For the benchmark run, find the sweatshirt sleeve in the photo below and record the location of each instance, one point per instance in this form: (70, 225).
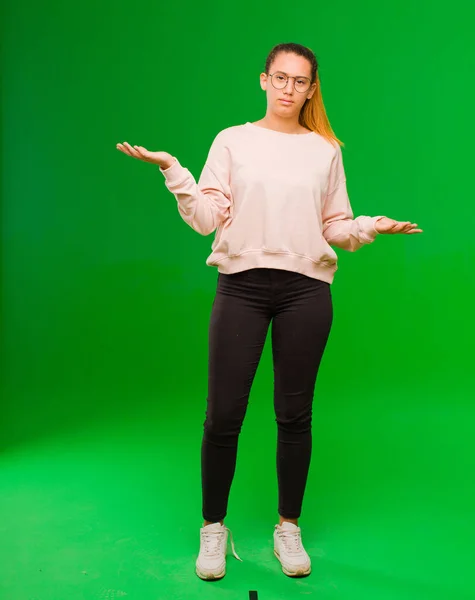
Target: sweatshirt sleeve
(206, 204)
(339, 227)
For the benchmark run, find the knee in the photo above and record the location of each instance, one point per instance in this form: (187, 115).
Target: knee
(221, 424)
(297, 424)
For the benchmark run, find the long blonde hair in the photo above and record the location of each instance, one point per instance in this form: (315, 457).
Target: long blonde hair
(313, 115)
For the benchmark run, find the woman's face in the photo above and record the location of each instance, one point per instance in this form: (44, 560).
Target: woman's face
(295, 66)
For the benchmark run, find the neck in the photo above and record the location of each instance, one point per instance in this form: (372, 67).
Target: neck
(282, 124)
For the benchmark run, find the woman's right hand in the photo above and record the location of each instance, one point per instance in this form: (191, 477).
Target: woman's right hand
(162, 159)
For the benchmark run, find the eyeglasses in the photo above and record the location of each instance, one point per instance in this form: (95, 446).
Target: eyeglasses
(279, 80)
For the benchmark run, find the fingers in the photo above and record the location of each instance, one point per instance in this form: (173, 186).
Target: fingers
(141, 150)
(136, 152)
(405, 227)
(122, 148)
(132, 151)
(397, 227)
(126, 149)
(411, 228)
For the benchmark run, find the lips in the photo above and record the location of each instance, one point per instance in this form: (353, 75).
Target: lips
(286, 101)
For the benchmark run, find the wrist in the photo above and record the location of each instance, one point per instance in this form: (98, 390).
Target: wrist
(375, 224)
(167, 164)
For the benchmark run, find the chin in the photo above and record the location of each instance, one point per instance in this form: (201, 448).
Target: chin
(288, 110)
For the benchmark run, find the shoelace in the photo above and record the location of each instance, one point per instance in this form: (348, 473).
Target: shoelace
(291, 541)
(212, 542)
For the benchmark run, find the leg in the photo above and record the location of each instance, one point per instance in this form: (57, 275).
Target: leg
(239, 323)
(300, 332)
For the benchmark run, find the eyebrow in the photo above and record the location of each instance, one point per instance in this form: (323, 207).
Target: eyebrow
(304, 76)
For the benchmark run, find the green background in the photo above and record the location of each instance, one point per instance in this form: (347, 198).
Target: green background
(106, 299)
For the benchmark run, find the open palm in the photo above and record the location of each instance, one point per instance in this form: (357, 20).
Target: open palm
(387, 225)
(162, 159)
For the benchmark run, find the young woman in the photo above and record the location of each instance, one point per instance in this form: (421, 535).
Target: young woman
(275, 193)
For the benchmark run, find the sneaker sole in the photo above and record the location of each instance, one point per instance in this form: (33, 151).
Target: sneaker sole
(210, 576)
(298, 573)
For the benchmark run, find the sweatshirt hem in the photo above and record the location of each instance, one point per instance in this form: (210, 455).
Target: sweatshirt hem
(257, 259)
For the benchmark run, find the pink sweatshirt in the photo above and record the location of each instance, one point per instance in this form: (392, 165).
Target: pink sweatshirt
(276, 200)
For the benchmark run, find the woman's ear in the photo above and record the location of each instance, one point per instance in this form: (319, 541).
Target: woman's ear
(263, 81)
(311, 92)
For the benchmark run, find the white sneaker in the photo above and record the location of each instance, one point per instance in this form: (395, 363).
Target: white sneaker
(211, 561)
(289, 550)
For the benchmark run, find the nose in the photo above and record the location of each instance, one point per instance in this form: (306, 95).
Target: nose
(289, 87)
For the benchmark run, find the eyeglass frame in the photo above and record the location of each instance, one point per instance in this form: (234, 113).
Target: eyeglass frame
(290, 77)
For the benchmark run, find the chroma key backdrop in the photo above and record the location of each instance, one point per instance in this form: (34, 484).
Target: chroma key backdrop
(106, 300)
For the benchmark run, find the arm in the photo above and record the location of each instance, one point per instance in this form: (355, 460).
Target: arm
(339, 227)
(206, 204)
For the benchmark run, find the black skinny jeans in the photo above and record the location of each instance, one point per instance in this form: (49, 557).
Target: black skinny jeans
(301, 312)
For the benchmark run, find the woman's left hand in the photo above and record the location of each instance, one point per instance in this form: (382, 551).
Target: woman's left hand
(387, 225)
